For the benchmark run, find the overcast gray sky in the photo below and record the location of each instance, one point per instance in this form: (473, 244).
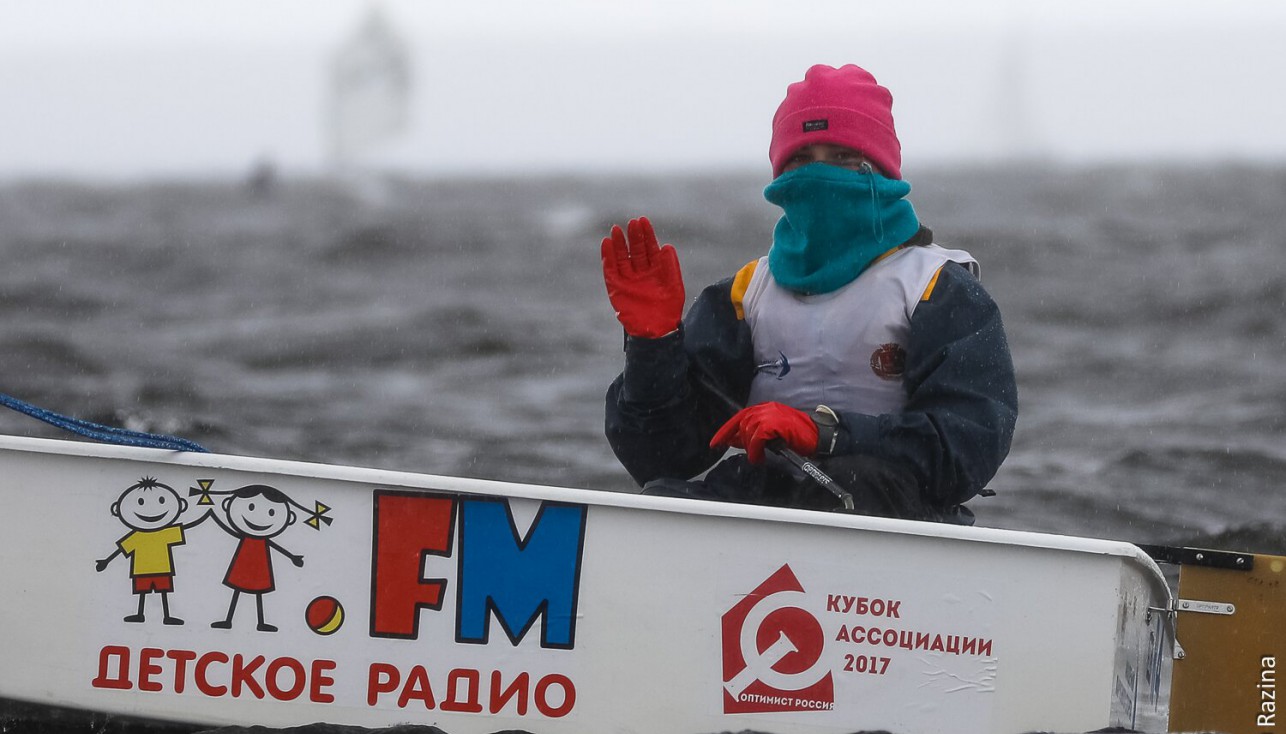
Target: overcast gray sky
(138, 88)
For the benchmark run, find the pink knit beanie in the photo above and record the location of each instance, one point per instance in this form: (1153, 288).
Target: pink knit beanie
(843, 106)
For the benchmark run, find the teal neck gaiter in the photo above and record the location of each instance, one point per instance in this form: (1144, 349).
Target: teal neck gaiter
(837, 221)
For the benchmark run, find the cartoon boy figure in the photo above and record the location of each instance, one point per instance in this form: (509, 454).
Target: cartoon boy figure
(151, 511)
(255, 514)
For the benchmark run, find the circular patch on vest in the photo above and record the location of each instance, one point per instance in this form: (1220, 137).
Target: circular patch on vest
(889, 361)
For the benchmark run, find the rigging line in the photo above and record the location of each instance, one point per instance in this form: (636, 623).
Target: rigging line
(102, 433)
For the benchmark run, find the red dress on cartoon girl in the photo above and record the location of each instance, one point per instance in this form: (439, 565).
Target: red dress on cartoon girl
(251, 568)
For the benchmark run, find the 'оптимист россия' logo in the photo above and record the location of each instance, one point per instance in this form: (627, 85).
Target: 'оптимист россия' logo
(772, 652)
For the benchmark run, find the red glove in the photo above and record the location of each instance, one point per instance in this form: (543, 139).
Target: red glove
(643, 281)
(754, 427)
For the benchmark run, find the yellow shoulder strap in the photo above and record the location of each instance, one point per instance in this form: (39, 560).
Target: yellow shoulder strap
(928, 290)
(739, 286)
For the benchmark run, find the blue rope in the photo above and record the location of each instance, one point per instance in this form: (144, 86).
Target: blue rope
(100, 432)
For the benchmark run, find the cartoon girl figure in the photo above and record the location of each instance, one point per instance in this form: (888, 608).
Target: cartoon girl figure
(255, 514)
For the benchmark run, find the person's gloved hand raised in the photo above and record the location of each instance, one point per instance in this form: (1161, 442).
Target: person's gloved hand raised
(753, 428)
(643, 281)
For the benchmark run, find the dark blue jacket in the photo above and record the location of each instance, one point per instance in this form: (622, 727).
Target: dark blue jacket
(942, 449)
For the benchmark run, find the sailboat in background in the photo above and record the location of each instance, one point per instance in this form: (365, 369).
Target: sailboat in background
(370, 90)
(1022, 138)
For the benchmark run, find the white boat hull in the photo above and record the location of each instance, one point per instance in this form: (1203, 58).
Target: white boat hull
(480, 606)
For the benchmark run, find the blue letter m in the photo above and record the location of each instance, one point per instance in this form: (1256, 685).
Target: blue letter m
(519, 579)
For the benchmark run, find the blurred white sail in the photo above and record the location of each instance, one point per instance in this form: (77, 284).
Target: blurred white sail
(370, 86)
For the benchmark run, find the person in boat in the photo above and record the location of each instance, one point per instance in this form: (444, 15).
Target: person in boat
(856, 341)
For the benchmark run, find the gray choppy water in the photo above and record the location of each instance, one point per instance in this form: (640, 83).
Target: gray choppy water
(460, 327)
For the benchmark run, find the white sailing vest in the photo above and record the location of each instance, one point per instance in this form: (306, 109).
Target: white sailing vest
(847, 348)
